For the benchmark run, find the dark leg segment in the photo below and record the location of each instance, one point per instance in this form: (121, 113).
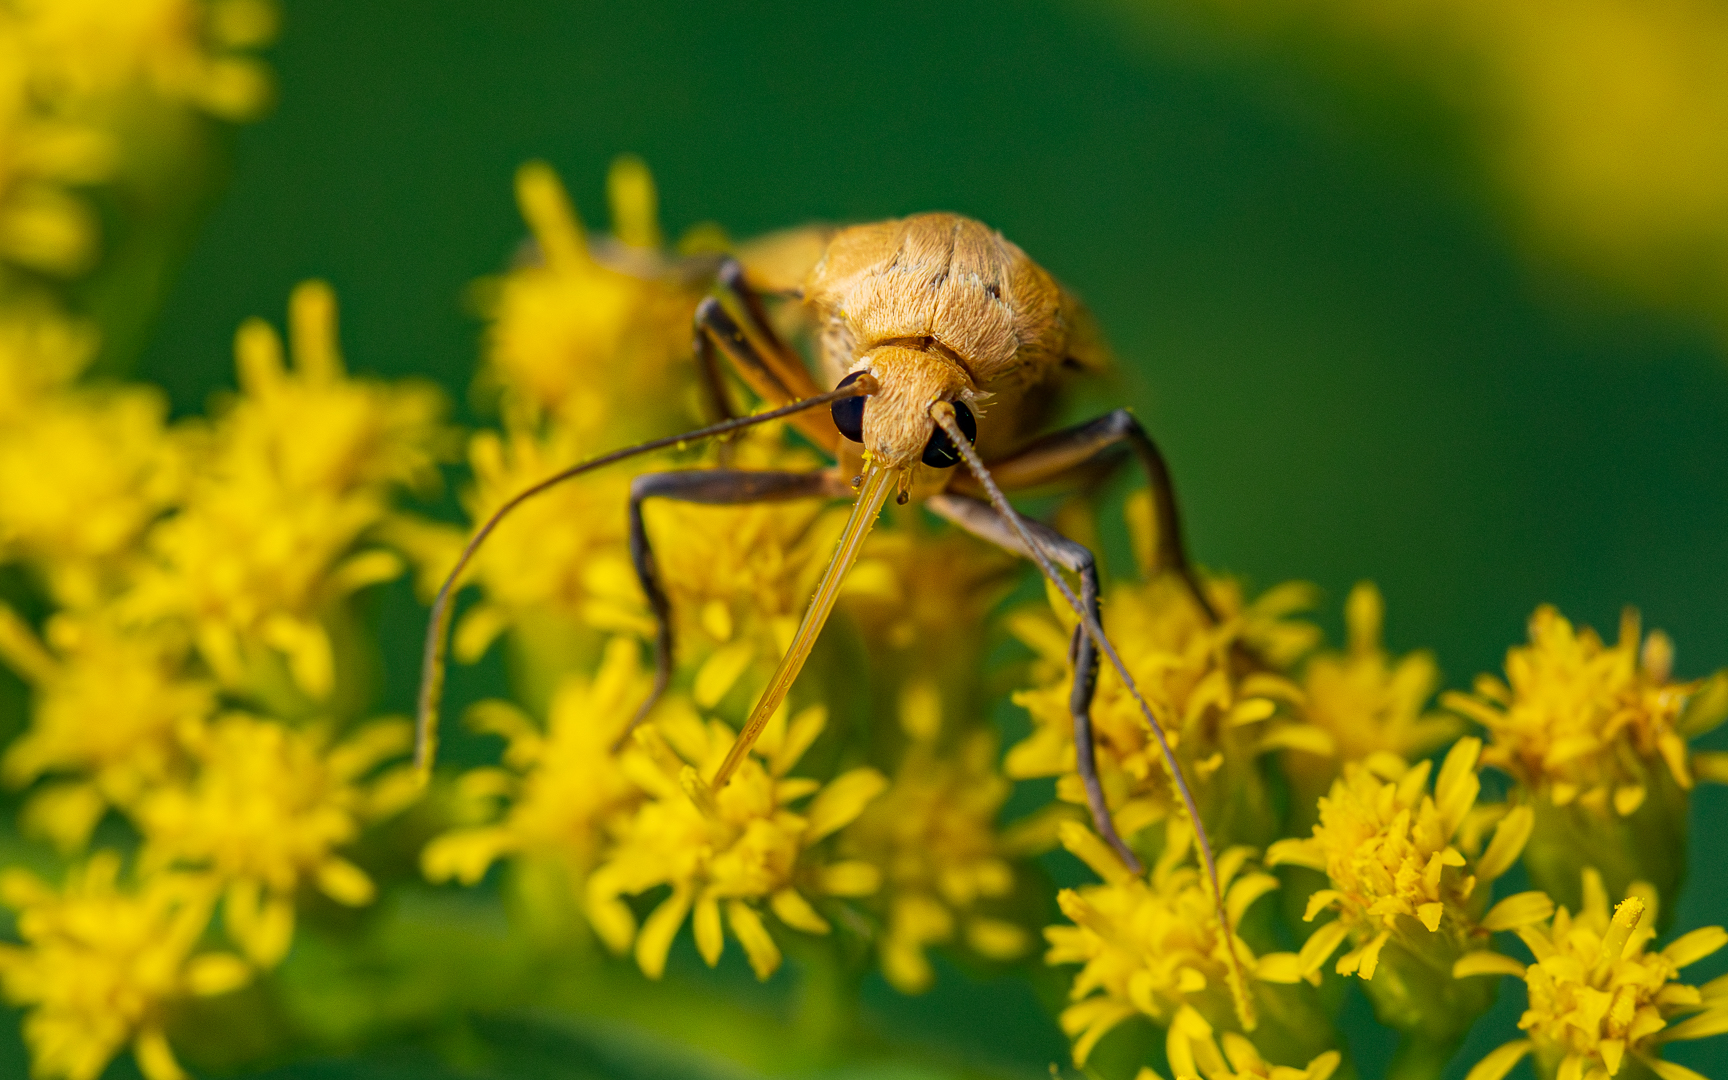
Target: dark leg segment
(721, 487)
(716, 328)
(1055, 454)
(981, 520)
(788, 368)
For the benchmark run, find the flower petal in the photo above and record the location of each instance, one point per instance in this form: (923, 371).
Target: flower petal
(1499, 1061)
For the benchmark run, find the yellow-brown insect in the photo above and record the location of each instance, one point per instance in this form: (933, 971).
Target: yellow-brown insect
(942, 342)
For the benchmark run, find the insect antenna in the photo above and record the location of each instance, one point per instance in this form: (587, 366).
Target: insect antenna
(432, 660)
(943, 413)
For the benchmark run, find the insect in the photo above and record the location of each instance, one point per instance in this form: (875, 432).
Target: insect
(943, 343)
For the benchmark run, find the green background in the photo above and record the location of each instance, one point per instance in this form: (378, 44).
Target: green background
(1353, 368)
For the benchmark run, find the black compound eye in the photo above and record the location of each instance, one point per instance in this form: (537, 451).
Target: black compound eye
(849, 412)
(940, 452)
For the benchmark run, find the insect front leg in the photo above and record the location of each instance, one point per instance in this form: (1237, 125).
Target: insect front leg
(719, 335)
(719, 487)
(982, 521)
(1061, 453)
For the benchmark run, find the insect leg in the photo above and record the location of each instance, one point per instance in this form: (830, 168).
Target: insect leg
(1054, 455)
(785, 363)
(721, 487)
(982, 521)
(716, 328)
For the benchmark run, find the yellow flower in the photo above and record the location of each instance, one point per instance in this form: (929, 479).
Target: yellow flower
(912, 586)
(70, 70)
(1367, 701)
(603, 350)
(265, 810)
(565, 788)
(1192, 672)
(560, 557)
(175, 49)
(739, 577)
(1388, 849)
(1152, 947)
(82, 475)
(42, 227)
(290, 479)
(1575, 715)
(1597, 735)
(109, 709)
(100, 965)
(933, 837)
(41, 353)
(1194, 1053)
(1598, 993)
(733, 849)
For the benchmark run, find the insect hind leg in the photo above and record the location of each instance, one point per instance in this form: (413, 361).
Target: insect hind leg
(982, 521)
(715, 487)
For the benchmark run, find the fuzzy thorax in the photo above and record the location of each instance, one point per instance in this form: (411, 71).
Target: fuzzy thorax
(897, 420)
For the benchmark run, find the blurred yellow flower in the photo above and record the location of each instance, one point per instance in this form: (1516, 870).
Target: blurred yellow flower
(176, 49)
(1605, 122)
(912, 586)
(287, 482)
(734, 848)
(67, 70)
(41, 353)
(1598, 993)
(100, 965)
(590, 344)
(115, 470)
(933, 836)
(562, 555)
(564, 790)
(739, 577)
(1367, 701)
(1152, 946)
(266, 810)
(109, 711)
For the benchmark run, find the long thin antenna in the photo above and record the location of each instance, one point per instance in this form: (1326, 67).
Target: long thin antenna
(432, 660)
(943, 413)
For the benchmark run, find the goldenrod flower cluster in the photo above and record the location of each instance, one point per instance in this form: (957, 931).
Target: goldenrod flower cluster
(1597, 737)
(1599, 996)
(587, 350)
(69, 71)
(1408, 871)
(197, 663)
(1154, 947)
(188, 680)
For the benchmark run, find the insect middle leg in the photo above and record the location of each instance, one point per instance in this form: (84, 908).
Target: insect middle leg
(719, 487)
(1063, 452)
(981, 520)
